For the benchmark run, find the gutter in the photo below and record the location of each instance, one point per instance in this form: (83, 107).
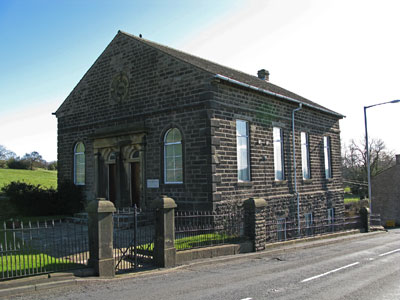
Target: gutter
(264, 91)
(294, 165)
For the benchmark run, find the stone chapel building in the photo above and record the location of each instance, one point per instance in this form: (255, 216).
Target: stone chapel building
(148, 120)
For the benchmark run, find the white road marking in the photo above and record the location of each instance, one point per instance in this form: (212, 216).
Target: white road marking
(333, 271)
(246, 299)
(390, 252)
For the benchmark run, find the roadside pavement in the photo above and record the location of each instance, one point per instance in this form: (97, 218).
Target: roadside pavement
(54, 280)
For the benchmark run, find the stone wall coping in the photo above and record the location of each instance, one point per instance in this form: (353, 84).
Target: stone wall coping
(100, 205)
(164, 202)
(255, 202)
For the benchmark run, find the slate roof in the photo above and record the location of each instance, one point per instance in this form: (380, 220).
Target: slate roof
(242, 77)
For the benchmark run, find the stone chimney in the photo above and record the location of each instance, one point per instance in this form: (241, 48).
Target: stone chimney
(397, 159)
(263, 74)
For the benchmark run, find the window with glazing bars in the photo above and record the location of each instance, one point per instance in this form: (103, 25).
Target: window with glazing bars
(79, 164)
(278, 153)
(173, 165)
(305, 155)
(242, 147)
(327, 157)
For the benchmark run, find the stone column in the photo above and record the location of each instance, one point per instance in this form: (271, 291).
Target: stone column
(365, 216)
(100, 230)
(118, 179)
(164, 247)
(97, 174)
(255, 222)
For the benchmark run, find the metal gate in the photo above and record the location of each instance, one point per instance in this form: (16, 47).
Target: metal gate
(133, 239)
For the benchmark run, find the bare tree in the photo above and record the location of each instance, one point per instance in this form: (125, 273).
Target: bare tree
(34, 159)
(5, 154)
(355, 162)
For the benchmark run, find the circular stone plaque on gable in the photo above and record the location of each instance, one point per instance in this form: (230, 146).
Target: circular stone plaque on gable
(119, 87)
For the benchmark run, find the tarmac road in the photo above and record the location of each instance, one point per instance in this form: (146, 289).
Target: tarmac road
(367, 268)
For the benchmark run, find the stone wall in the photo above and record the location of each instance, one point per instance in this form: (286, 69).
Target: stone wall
(385, 189)
(316, 194)
(165, 92)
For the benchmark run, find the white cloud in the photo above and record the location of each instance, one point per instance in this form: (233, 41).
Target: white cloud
(33, 128)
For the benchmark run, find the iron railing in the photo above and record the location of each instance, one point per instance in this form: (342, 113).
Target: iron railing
(287, 229)
(194, 229)
(31, 248)
(133, 239)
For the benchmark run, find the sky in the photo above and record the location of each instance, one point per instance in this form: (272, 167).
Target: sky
(342, 54)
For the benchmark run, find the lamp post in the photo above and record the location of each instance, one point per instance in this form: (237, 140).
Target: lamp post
(367, 148)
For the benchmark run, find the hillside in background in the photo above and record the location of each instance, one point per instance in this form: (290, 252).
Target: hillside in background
(45, 178)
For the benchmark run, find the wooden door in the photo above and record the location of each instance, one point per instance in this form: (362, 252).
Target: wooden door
(135, 183)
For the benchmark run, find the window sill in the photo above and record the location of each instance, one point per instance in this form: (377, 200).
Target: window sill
(280, 182)
(244, 184)
(172, 185)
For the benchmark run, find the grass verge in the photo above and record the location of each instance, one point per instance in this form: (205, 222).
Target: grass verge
(45, 178)
(17, 265)
(203, 240)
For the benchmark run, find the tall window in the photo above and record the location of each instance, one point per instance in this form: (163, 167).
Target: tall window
(173, 170)
(278, 154)
(243, 157)
(327, 157)
(305, 155)
(79, 164)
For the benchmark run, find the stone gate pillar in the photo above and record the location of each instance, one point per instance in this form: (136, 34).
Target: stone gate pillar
(365, 215)
(100, 230)
(164, 247)
(255, 222)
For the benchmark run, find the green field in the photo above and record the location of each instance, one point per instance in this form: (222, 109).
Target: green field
(43, 177)
(350, 198)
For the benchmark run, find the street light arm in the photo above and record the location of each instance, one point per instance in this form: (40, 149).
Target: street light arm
(393, 101)
(367, 149)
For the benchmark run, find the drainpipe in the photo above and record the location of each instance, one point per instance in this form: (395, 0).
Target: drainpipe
(294, 165)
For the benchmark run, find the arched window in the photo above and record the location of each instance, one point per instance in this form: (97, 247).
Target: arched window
(112, 158)
(173, 169)
(135, 154)
(79, 164)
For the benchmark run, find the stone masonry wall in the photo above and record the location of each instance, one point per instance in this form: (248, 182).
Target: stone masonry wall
(385, 189)
(163, 93)
(263, 113)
